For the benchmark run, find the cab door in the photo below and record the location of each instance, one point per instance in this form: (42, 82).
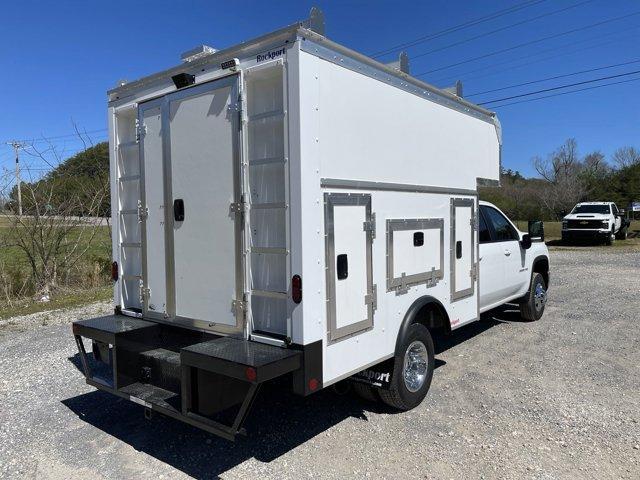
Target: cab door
(505, 255)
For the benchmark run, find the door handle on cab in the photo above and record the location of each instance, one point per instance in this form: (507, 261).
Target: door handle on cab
(507, 252)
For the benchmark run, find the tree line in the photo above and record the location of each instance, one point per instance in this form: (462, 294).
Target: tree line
(566, 178)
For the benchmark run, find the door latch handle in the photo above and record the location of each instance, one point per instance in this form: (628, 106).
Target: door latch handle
(507, 252)
(178, 210)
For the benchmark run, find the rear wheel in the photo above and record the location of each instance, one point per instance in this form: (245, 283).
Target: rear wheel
(412, 370)
(532, 306)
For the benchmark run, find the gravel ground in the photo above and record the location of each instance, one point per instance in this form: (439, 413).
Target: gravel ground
(556, 398)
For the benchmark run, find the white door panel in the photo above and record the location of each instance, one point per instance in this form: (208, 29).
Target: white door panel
(350, 290)
(462, 248)
(203, 176)
(350, 241)
(491, 267)
(154, 270)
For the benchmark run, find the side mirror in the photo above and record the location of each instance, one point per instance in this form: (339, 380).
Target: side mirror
(525, 243)
(621, 211)
(536, 229)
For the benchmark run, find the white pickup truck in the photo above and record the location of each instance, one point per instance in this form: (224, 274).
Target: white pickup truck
(595, 221)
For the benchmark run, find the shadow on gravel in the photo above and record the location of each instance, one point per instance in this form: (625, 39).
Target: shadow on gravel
(279, 422)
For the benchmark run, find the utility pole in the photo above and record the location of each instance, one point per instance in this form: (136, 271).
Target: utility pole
(16, 147)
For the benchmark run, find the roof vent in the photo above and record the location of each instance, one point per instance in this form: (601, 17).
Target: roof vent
(197, 53)
(402, 64)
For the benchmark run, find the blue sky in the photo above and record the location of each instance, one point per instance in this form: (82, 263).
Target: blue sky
(58, 59)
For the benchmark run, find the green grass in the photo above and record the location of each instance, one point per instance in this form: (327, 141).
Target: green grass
(62, 300)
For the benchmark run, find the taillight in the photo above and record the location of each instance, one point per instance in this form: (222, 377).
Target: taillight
(114, 271)
(296, 288)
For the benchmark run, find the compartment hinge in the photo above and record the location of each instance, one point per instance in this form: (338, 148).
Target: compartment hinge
(240, 208)
(143, 212)
(141, 130)
(144, 293)
(474, 223)
(473, 273)
(372, 298)
(239, 308)
(370, 225)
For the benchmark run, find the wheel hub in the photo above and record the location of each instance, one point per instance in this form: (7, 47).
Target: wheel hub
(540, 297)
(414, 370)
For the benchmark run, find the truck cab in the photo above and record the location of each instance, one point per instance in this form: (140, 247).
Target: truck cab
(595, 221)
(510, 262)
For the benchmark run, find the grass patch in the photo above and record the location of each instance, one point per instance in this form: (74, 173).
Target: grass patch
(61, 301)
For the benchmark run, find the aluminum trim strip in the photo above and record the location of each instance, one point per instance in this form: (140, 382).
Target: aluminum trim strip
(392, 187)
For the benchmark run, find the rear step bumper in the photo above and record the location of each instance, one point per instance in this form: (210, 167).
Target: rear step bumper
(190, 376)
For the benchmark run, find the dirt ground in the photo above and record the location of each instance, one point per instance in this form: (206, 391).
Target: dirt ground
(558, 398)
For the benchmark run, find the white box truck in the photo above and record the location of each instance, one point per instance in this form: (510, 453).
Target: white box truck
(289, 207)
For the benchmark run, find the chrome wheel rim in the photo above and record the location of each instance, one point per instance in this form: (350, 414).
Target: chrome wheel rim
(416, 364)
(540, 297)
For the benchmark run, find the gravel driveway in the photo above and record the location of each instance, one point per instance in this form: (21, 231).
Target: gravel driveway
(558, 398)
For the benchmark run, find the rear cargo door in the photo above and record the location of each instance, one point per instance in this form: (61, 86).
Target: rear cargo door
(151, 212)
(202, 130)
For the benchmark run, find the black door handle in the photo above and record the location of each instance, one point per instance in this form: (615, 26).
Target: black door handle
(458, 249)
(178, 210)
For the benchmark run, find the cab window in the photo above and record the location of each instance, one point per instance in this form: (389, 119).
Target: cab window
(483, 231)
(503, 231)
(614, 209)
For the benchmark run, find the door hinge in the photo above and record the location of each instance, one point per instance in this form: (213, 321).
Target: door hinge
(143, 212)
(474, 223)
(372, 298)
(370, 225)
(239, 308)
(240, 208)
(144, 293)
(473, 273)
(239, 110)
(141, 130)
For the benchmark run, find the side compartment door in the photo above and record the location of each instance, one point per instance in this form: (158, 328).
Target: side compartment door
(152, 211)
(351, 295)
(463, 277)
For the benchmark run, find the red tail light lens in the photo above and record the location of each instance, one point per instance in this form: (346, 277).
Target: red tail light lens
(251, 374)
(296, 288)
(114, 271)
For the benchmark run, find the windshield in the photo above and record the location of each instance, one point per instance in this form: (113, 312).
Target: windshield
(604, 209)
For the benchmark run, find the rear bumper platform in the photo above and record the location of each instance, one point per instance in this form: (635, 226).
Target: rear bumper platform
(191, 376)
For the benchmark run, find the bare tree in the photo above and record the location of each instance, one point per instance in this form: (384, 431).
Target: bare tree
(562, 172)
(625, 157)
(62, 216)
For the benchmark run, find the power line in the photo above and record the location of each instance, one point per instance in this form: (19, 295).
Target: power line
(567, 93)
(609, 77)
(531, 42)
(552, 78)
(529, 61)
(46, 139)
(497, 30)
(457, 28)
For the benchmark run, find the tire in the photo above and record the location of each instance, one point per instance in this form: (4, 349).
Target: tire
(622, 234)
(405, 394)
(366, 392)
(532, 306)
(610, 238)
